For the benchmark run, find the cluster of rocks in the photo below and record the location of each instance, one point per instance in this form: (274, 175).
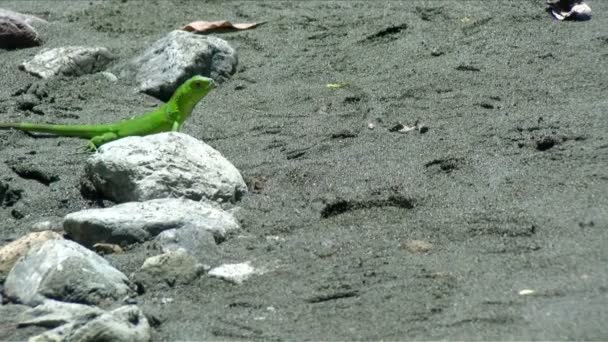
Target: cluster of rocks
(170, 188)
(157, 71)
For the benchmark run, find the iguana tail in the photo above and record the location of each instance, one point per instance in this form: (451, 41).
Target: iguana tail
(81, 131)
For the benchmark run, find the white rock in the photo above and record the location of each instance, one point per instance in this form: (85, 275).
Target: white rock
(139, 221)
(163, 165)
(66, 271)
(68, 61)
(170, 61)
(109, 76)
(575, 10)
(234, 273)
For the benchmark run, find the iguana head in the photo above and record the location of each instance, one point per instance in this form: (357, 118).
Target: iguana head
(190, 93)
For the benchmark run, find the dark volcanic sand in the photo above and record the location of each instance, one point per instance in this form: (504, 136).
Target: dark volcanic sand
(509, 184)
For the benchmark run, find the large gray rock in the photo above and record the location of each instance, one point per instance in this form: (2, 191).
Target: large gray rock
(139, 221)
(163, 165)
(68, 61)
(66, 271)
(170, 61)
(126, 324)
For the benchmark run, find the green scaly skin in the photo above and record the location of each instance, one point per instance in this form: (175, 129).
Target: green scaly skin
(168, 117)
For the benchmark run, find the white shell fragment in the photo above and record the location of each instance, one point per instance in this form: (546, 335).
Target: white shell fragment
(406, 129)
(233, 273)
(401, 128)
(569, 9)
(526, 292)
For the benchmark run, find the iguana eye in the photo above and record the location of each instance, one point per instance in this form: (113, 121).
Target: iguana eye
(197, 84)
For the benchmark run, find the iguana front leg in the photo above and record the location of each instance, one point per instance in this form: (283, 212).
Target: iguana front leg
(172, 115)
(99, 140)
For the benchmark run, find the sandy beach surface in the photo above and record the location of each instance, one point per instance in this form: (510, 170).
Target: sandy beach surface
(363, 234)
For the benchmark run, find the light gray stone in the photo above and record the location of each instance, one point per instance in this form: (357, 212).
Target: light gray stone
(139, 221)
(198, 242)
(168, 269)
(170, 61)
(163, 165)
(52, 224)
(126, 323)
(109, 76)
(68, 61)
(10, 315)
(53, 313)
(10, 253)
(66, 271)
(28, 18)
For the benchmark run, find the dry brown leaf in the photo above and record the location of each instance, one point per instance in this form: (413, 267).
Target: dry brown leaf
(215, 26)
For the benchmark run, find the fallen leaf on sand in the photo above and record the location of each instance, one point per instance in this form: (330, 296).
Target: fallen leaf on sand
(202, 26)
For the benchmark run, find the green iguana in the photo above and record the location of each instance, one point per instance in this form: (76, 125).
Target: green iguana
(168, 117)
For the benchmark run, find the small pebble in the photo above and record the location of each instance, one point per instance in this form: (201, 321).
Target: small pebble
(526, 292)
(166, 300)
(27, 102)
(107, 248)
(436, 53)
(397, 128)
(417, 246)
(546, 142)
(109, 76)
